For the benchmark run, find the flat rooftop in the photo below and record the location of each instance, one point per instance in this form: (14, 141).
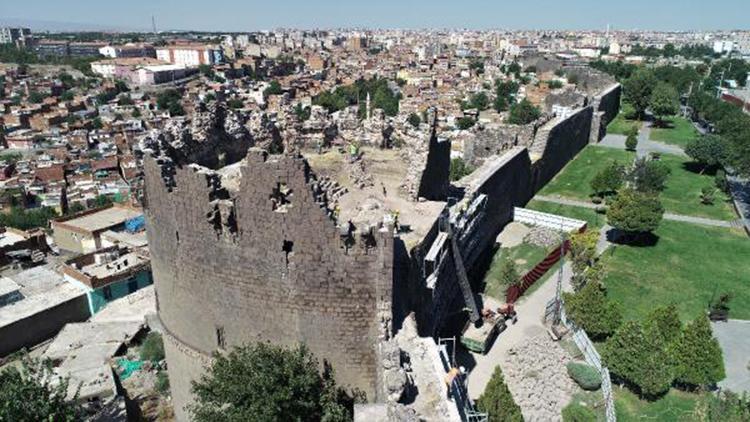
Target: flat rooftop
(388, 169)
(102, 220)
(9, 238)
(122, 264)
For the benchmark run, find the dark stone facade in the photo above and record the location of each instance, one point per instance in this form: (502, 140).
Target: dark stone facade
(263, 262)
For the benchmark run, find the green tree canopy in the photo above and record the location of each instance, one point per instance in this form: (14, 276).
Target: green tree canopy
(31, 394)
(664, 101)
(523, 113)
(591, 310)
(497, 401)
(414, 120)
(641, 358)
(609, 179)
(648, 176)
(638, 88)
(699, 357)
(635, 213)
(708, 151)
(269, 383)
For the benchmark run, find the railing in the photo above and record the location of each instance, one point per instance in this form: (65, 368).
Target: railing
(594, 359)
(543, 219)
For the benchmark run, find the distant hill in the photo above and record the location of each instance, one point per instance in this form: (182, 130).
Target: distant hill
(55, 26)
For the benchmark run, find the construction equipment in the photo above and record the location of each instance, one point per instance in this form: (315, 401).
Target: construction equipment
(478, 336)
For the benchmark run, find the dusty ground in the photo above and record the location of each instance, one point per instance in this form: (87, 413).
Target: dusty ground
(388, 170)
(512, 235)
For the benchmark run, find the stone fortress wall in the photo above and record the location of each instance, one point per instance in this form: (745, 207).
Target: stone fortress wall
(245, 246)
(257, 256)
(490, 193)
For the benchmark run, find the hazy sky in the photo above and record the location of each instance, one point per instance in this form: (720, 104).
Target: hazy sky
(251, 15)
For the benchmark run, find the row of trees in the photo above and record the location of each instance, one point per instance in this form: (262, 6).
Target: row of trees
(381, 96)
(658, 353)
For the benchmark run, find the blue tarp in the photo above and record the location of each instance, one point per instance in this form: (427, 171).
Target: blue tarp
(135, 224)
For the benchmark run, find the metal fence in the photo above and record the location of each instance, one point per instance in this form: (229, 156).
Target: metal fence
(594, 359)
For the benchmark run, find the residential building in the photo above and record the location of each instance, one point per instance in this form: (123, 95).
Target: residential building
(109, 274)
(81, 233)
(190, 54)
(17, 36)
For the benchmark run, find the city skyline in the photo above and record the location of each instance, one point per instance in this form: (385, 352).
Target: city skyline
(225, 15)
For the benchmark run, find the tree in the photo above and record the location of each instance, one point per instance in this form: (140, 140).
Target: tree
(708, 151)
(36, 97)
(414, 120)
(32, 393)
(640, 358)
(698, 355)
(638, 89)
(303, 113)
(583, 257)
(124, 99)
(479, 101)
(235, 103)
(664, 101)
(464, 123)
(497, 401)
(720, 180)
(591, 310)
(509, 275)
(267, 382)
(648, 176)
(609, 179)
(631, 142)
(274, 88)
(459, 168)
(635, 213)
(523, 113)
(664, 322)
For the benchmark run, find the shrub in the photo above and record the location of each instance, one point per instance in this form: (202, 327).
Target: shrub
(575, 412)
(720, 180)
(162, 383)
(586, 376)
(708, 195)
(497, 401)
(152, 348)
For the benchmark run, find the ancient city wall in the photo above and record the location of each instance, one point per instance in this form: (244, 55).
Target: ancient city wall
(263, 261)
(490, 193)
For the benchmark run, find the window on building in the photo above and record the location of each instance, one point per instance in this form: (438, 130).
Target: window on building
(132, 286)
(107, 293)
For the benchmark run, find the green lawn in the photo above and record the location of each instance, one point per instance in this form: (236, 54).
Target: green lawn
(681, 196)
(574, 181)
(595, 221)
(683, 190)
(675, 406)
(620, 125)
(525, 255)
(680, 132)
(688, 266)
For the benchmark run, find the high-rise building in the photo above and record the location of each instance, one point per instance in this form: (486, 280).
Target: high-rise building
(17, 36)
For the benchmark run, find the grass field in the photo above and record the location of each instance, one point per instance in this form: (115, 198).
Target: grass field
(673, 407)
(687, 266)
(681, 196)
(683, 190)
(574, 181)
(595, 221)
(525, 255)
(620, 125)
(679, 132)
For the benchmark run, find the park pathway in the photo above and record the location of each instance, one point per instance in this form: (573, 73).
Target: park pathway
(667, 216)
(645, 144)
(530, 323)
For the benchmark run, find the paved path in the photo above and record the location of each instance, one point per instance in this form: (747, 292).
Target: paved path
(734, 338)
(530, 323)
(645, 144)
(740, 189)
(667, 216)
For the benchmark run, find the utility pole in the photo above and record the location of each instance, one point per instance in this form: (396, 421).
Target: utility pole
(558, 290)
